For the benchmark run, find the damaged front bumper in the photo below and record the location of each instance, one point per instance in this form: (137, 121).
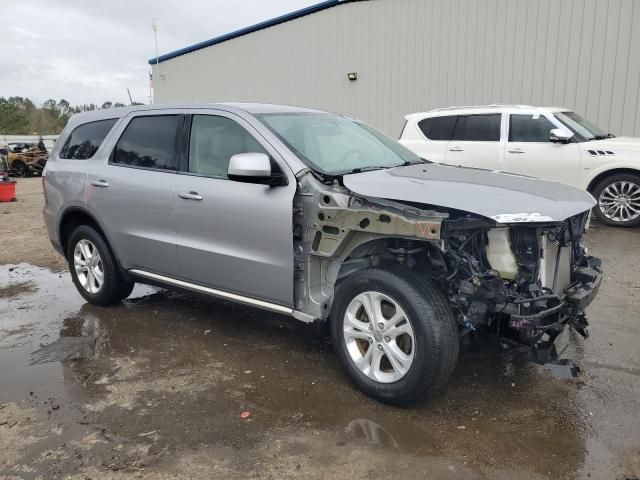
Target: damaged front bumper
(568, 311)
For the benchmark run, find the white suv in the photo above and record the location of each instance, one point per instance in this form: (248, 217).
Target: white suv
(551, 143)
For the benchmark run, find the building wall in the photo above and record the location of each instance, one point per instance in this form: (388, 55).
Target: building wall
(415, 55)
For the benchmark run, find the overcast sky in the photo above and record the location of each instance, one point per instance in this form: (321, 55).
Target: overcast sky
(92, 50)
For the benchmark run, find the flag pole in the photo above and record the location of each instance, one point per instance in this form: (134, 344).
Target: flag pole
(154, 25)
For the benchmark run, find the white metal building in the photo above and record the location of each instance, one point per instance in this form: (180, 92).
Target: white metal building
(415, 55)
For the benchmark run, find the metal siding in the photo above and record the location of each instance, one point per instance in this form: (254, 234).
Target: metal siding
(414, 55)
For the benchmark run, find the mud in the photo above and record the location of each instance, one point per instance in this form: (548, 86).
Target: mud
(155, 388)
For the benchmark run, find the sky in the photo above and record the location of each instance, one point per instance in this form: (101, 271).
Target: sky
(91, 51)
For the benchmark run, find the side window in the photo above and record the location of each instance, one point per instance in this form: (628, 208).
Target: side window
(85, 140)
(527, 128)
(478, 128)
(438, 128)
(149, 142)
(214, 140)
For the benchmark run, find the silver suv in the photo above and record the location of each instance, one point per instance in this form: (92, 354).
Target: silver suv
(322, 218)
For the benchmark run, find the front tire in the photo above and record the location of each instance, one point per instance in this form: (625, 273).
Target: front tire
(395, 334)
(93, 268)
(618, 198)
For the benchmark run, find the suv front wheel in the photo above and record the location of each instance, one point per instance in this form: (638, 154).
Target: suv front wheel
(93, 268)
(395, 334)
(618, 198)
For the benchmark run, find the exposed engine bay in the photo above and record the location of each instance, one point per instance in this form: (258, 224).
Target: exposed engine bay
(523, 281)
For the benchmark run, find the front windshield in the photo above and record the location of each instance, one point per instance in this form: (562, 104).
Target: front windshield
(335, 145)
(582, 128)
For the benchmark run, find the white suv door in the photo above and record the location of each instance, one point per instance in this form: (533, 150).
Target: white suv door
(432, 139)
(529, 150)
(476, 142)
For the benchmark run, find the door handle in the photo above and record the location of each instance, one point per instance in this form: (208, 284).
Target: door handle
(100, 183)
(516, 150)
(190, 195)
(456, 149)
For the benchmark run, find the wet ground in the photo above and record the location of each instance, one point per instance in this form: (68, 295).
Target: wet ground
(160, 387)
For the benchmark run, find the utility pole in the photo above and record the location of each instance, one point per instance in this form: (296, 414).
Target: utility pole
(130, 99)
(154, 25)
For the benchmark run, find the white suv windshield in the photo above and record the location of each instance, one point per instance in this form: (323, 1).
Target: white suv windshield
(582, 128)
(335, 145)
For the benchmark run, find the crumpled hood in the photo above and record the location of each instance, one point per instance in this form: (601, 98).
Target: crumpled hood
(503, 197)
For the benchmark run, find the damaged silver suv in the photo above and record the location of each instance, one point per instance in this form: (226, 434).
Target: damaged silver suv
(325, 219)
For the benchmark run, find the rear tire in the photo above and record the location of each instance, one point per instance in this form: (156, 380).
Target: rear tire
(618, 198)
(415, 372)
(19, 169)
(94, 269)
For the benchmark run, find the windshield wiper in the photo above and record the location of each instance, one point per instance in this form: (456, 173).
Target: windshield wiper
(366, 169)
(602, 137)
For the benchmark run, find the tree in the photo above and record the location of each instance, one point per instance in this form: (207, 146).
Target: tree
(20, 116)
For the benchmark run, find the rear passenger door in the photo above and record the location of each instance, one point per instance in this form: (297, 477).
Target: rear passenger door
(476, 142)
(438, 132)
(131, 191)
(233, 236)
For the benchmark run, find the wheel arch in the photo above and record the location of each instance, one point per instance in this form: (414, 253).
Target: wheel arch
(75, 216)
(356, 254)
(607, 173)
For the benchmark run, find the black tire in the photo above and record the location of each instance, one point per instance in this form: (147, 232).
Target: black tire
(433, 323)
(114, 287)
(601, 186)
(19, 169)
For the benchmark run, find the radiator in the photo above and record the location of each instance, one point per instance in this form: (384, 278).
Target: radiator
(555, 264)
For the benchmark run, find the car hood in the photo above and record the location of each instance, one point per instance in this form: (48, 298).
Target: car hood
(503, 197)
(615, 142)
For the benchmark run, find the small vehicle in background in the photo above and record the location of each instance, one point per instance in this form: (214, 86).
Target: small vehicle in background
(26, 159)
(551, 143)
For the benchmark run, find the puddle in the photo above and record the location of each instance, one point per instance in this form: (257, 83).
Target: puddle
(175, 371)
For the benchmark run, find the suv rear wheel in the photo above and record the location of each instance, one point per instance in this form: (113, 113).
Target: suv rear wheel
(93, 268)
(395, 334)
(618, 199)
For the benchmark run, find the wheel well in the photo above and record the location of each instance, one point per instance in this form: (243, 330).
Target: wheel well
(608, 173)
(383, 250)
(71, 221)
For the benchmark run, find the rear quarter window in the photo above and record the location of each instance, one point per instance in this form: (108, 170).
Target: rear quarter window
(83, 142)
(438, 128)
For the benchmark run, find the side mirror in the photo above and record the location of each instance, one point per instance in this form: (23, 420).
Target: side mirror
(250, 168)
(559, 135)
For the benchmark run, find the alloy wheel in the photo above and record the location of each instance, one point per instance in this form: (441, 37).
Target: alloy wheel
(88, 266)
(379, 337)
(620, 201)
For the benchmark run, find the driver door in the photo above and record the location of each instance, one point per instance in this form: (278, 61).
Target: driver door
(529, 150)
(233, 236)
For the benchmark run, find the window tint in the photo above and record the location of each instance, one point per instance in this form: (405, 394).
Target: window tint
(85, 140)
(149, 142)
(526, 128)
(478, 128)
(438, 128)
(214, 140)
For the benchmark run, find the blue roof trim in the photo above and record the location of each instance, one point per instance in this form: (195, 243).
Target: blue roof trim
(254, 28)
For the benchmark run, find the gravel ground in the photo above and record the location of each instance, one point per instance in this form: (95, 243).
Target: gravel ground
(156, 387)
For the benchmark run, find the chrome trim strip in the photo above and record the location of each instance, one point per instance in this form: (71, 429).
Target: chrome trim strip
(216, 293)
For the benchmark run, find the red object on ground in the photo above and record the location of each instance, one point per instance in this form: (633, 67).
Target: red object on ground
(7, 191)
(245, 414)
